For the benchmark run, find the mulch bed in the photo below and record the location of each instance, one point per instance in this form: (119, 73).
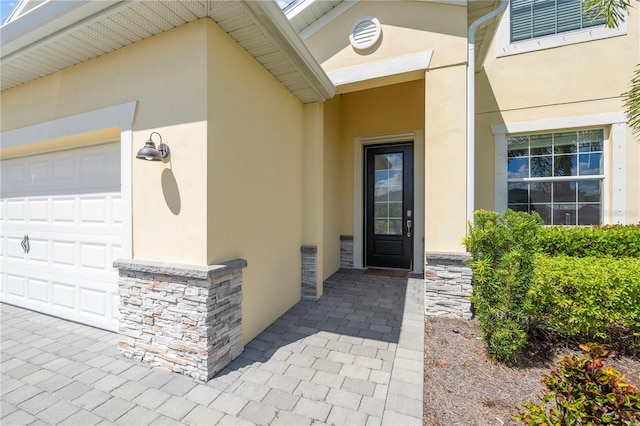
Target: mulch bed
(463, 387)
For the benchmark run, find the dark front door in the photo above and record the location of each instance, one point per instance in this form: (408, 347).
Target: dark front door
(389, 206)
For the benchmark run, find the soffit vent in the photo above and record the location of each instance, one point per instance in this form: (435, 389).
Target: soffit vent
(365, 33)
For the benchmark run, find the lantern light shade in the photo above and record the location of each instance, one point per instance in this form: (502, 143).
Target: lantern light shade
(149, 151)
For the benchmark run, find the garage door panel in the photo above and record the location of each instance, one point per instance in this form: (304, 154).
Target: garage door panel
(64, 254)
(94, 210)
(15, 285)
(38, 211)
(14, 246)
(94, 256)
(63, 295)
(38, 250)
(68, 203)
(64, 210)
(94, 302)
(38, 290)
(16, 212)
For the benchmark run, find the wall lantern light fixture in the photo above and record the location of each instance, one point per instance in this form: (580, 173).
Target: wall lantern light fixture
(149, 151)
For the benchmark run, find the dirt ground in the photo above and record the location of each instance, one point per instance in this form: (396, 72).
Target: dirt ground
(463, 387)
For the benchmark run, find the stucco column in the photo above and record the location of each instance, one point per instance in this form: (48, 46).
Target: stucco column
(312, 223)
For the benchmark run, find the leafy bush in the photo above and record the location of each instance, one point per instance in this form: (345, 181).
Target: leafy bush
(502, 248)
(593, 297)
(596, 241)
(585, 393)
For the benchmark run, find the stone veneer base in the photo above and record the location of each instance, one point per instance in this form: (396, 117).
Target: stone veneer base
(309, 275)
(185, 318)
(448, 280)
(346, 251)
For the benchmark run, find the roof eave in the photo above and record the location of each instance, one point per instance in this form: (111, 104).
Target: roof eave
(277, 24)
(52, 20)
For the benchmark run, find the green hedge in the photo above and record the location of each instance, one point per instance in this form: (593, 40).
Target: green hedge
(502, 248)
(596, 241)
(592, 297)
(582, 281)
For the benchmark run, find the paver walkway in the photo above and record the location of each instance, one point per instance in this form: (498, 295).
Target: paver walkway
(354, 357)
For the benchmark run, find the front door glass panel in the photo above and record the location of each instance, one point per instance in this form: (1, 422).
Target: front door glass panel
(388, 194)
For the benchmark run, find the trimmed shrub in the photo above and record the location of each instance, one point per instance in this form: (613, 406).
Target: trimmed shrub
(585, 393)
(598, 298)
(502, 248)
(596, 241)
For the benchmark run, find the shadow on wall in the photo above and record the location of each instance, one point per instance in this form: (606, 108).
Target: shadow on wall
(171, 191)
(488, 113)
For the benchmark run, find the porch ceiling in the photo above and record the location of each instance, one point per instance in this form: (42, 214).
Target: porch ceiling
(57, 35)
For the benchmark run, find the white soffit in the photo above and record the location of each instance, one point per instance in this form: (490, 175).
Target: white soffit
(58, 34)
(382, 68)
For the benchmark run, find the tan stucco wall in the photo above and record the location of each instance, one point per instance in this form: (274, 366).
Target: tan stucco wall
(414, 27)
(445, 158)
(233, 186)
(312, 179)
(334, 184)
(255, 142)
(565, 82)
(169, 199)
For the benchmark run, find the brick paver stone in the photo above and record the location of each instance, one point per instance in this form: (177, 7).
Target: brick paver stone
(281, 400)
(258, 413)
(137, 416)
(230, 404)
(203, 416)
(57, 412)
(113, 408)
(343, 359)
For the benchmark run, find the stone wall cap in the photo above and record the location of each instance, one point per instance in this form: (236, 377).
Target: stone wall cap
(439, 255)
(179, 269)
(309, 249)
(346, 237)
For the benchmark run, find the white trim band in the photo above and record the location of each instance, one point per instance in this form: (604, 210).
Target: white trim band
(382, 68)
(114, 116)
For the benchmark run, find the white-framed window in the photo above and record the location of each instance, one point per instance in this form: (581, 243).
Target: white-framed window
(559, 175)
(531, 19)
(530, 25)
(559, 166)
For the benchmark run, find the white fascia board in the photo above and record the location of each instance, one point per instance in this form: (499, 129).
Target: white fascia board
(327, 18)
(114, 116)
(46, 20)
(382, 68)
(273, 21)
(560, 123)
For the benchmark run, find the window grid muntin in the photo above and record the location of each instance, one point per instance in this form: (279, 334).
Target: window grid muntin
(583, 139)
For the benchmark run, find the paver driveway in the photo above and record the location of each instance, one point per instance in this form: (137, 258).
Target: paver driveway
(354, 357)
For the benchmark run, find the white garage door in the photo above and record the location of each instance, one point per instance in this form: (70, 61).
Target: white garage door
(68, 204)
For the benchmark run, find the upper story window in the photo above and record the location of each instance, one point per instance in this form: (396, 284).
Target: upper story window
(558, 175)
(538, 18)
(532, 25)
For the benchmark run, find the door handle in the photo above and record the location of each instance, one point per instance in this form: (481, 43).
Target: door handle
(408, 227)
(25, 244)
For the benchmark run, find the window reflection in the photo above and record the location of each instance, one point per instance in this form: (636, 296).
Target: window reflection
(388, 185)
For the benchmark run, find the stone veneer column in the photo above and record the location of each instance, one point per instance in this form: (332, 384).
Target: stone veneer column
(346, 251)
(448, 280)
(309, 272)
(185, 318)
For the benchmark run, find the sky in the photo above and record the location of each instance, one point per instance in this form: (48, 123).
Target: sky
(7, 7)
